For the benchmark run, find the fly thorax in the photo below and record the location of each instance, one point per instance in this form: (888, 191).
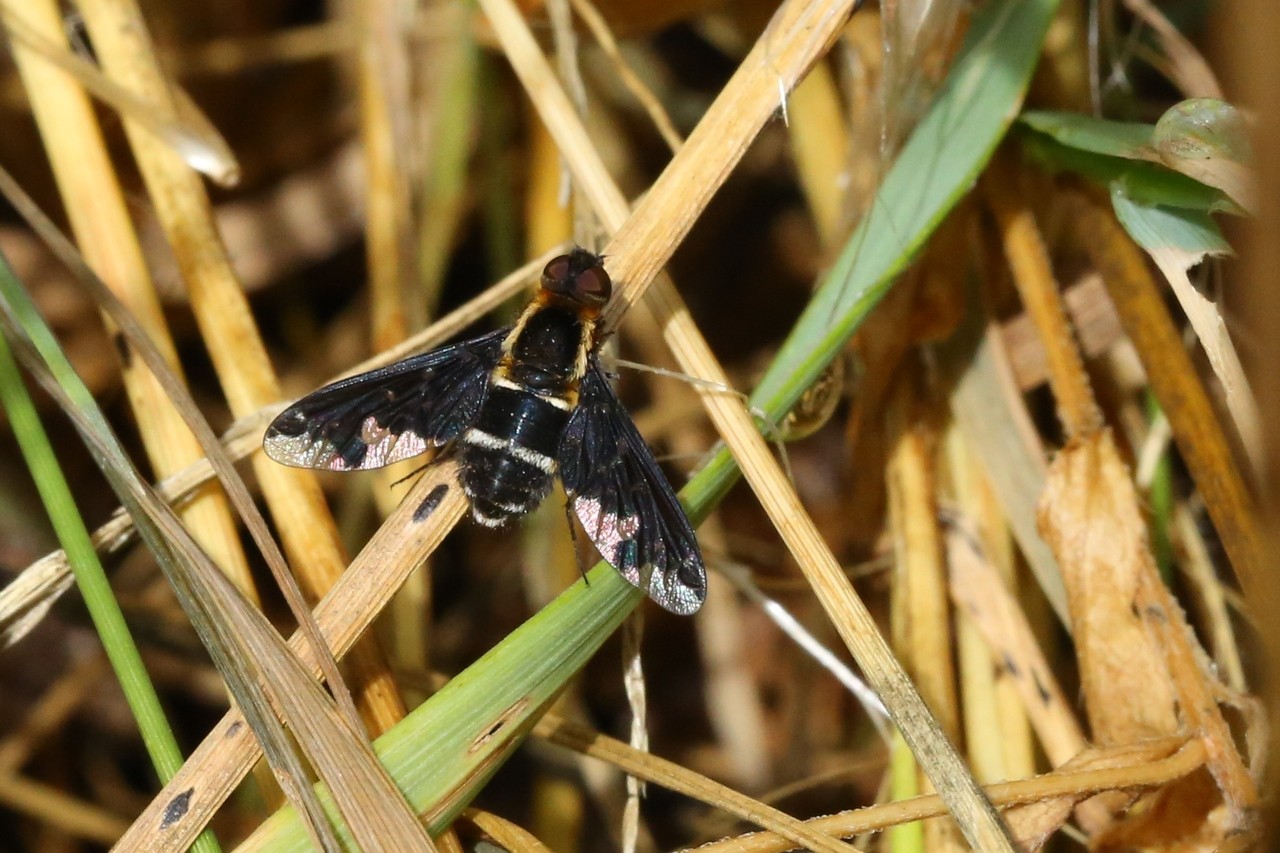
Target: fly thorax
(545, 353)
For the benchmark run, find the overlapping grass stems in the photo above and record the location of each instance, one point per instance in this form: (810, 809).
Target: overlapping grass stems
(934, 170)
(442, 754)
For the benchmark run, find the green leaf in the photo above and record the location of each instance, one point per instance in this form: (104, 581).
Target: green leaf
(1127, 140)
(1163, 164)
(1192, 233)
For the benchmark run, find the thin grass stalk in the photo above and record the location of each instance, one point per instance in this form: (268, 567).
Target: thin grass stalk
(1143, 766)
(96, 591)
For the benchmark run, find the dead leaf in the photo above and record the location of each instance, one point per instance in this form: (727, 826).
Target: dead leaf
(1089, 516)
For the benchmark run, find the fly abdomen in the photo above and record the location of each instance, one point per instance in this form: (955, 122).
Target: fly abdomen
(509, 455)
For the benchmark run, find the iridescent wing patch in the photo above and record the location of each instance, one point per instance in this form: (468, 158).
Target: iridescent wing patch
(624, 501)
(390, 414)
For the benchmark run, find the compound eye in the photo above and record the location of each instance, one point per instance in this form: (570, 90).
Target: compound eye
(592, 286)
(556, 275)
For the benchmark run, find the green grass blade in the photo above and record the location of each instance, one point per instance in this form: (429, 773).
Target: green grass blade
(1155, 226)
(1127, 140)
(1109, 151)
(96, 591)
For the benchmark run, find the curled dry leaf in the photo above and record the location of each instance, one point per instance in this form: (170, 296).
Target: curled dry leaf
(1090, 519)
(1033, 823)
(1136, 655)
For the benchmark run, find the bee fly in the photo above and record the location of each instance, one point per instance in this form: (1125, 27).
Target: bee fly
(517, 407)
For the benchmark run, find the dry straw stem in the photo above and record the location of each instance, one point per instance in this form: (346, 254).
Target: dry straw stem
(1210, 327)
(1093, 318)
(546, 219)
(25, 601)
(820, 146)
(58, 811)
(990, 692)
(989, 407)
(96, 208)
(644, 241)
(997, 731)
(449, 843)
(384, 110)
(1196, 564)
(648, 101)
(921, 615)
(1134, 767)
(980, 592)
(222, 312)
(1187, 68)
(230, 749)
(650, 768)
(508, 835)
(1033, 275)
(978, 589)
(1196, 430)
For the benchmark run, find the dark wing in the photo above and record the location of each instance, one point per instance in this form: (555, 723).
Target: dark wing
(386, 415)
(625, 503)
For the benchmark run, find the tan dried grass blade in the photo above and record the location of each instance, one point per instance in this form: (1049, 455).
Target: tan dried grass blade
(229, 750)
(188, 131)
